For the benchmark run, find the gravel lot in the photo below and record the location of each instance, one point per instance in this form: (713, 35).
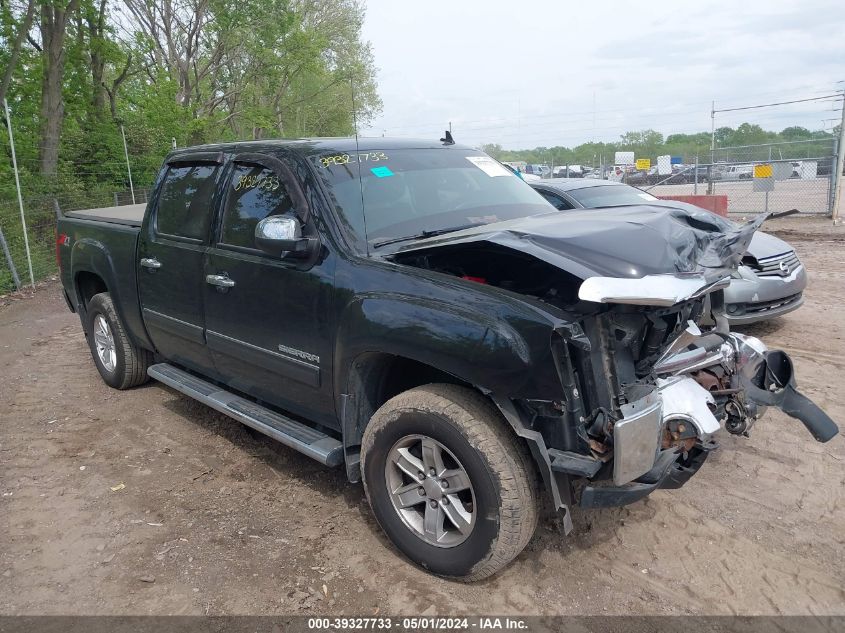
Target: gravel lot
(213, 519)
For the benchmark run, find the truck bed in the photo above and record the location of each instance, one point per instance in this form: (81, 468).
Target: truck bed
(128, 214)
(111, 239)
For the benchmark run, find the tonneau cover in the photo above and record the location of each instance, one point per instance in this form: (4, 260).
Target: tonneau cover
(128, 214)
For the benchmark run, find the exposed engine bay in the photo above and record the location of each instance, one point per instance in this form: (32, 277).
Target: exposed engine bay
(649, 369)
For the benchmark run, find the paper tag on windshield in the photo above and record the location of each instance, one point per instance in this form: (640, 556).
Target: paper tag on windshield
(489, 166)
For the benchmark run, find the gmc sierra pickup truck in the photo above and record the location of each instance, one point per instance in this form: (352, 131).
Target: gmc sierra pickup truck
(415, 312)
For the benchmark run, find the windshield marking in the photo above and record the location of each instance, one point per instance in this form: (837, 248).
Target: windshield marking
(489, 166)
(381, 172)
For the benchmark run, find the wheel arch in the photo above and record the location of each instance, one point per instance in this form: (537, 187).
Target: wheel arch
(93, 270)
(374, 378)
(86, 284)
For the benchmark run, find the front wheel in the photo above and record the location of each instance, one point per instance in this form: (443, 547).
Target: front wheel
(121, 363)
(449, 482)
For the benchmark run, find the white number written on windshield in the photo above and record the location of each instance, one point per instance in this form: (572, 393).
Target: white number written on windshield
(343, 159)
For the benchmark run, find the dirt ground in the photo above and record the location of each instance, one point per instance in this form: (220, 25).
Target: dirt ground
(214, 519)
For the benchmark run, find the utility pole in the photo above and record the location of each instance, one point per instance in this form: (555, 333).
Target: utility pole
(840, 155)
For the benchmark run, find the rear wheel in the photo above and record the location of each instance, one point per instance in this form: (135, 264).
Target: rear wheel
(121, 363)
(449, 482)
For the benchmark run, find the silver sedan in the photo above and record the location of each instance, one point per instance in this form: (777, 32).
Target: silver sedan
(769, 283)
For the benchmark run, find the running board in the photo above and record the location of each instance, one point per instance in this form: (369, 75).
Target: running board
(296, 435)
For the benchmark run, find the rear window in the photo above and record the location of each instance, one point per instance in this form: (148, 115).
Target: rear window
(184, 203)
(610, 196)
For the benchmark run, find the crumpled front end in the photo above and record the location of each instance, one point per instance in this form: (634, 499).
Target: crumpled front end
(665, 376)
(649, 370)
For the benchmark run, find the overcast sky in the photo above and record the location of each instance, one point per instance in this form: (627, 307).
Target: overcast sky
(525, 74)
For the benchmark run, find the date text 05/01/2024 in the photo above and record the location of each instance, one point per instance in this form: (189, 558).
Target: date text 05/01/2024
(419, 623)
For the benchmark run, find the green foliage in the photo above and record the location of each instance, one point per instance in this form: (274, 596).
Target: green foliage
(223, 70)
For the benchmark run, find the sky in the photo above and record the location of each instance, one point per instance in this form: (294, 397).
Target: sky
(529, 74)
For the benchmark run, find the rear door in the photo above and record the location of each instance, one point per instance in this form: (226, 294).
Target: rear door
(171, 251)
(269, 325)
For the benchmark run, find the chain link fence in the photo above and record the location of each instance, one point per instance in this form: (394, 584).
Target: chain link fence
(42, 201)
(801, 177)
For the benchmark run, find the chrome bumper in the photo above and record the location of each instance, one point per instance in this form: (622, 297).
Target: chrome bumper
(763, 377)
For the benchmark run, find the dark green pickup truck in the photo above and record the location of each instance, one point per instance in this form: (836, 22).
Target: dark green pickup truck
(414, 312)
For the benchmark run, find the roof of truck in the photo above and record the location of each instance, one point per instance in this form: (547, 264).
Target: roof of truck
(310, 146)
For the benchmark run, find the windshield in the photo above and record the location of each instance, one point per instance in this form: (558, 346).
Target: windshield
(610, 196)
(407, 192)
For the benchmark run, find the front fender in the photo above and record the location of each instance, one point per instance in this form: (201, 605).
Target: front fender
(484, 350)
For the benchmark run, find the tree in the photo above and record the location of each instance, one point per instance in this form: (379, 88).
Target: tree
(54, 21)
(796, 133)
(12, 62)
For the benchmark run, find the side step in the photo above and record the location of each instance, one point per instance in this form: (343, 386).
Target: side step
(289, 432)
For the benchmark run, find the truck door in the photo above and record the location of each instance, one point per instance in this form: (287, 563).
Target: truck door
(171, 248)
(268, 319)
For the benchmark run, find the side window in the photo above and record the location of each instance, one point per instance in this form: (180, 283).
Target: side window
(254, 193)
(184, 202)
(556, 201)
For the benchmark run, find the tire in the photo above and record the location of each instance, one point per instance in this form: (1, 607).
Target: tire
(502, 498)
(127, 365)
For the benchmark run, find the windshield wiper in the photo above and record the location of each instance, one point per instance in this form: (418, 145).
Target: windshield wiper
(422, 235)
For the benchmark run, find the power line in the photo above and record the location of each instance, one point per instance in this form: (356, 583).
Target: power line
(627, 109)
(769, 105)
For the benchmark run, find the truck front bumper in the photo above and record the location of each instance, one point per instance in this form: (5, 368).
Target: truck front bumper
(671, 470)
(643, 461)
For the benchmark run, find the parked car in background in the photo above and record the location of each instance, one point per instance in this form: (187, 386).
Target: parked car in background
(739, 172)
(637, 177)
(616, 173)
(543, 171)
(568, 171)
(769, 283)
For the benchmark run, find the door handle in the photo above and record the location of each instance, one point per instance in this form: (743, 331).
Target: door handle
(221, 281)
(151, 263)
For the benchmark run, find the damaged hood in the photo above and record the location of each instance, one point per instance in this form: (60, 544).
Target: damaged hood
(762, 245)
(628, 242)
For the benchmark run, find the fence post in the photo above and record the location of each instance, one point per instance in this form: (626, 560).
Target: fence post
(129, 169)
(840, 161)
(9, 260)
(695, 186)
(766, 209)
(20, 198)
(710, 191)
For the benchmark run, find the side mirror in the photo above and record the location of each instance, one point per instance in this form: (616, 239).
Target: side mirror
(281, 236)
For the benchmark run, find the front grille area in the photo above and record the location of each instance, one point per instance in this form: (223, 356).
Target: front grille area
(781, 265)
(767, 306)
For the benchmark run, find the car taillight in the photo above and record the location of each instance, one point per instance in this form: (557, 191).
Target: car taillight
(61, 240)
